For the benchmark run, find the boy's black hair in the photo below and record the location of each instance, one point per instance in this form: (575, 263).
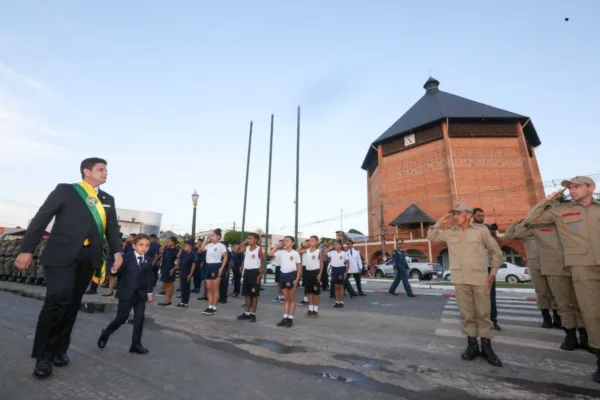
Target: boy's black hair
(139, 237)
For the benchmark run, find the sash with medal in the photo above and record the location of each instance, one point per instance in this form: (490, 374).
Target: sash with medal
(89, 196)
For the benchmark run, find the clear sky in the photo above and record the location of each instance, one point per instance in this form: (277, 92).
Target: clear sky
(165, 92)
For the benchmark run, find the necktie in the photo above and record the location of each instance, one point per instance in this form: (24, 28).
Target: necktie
(140, 261)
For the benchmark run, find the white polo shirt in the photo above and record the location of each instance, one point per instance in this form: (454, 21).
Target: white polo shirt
(337, 259)
(287, 260)
(214, 253)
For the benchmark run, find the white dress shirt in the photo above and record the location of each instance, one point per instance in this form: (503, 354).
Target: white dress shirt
(355, 261)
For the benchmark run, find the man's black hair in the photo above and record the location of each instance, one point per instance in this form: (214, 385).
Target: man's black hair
(89, 163)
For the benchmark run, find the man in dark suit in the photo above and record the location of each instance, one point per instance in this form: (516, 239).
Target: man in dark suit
(85, 217)
(135, 288)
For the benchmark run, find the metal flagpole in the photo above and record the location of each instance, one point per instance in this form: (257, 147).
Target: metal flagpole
(297, 172)
(246, 186)
(268, 200)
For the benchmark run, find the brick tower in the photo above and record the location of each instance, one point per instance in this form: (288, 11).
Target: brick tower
(446, 150)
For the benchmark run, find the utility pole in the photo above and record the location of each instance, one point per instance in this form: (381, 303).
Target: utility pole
(268, 197)
(382, 229)
(342, 220)
(246, 184)
(297, 173)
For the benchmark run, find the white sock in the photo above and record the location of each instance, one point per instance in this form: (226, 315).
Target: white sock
(285, 315)
(306, 299)
(280, 297)
(214, 307)
(341, 302)
(316, 308)
(247, 313)
(290, 316)
(337, 302)
(310, 308)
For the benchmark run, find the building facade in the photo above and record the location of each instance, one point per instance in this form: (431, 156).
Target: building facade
(446, 150)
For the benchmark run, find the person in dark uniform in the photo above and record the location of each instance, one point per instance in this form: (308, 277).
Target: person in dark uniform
(401, 268)
(237, 259)
(224, 283)
(197, 278)
(325, 274)
(84, 218)
(136, 279)
(186, 272)
(167, 269)
(152, 254)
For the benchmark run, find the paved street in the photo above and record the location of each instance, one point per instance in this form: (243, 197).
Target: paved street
(378, 347)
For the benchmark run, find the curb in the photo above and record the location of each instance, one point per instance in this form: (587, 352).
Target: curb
(449, 287)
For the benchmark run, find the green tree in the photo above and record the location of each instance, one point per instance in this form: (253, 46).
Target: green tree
(355, 231)
(235, 236)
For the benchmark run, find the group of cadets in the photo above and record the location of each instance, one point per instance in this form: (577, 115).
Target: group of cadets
(33, 275)
(562, 242)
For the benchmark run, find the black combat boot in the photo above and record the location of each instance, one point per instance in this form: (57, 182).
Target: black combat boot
(547, 319)
(556, 322)
(583, 341)
(38, 281)
(488, 353)
(3, 277)
(596, 376)
(12, 279)
(570, 342)
(472, 349)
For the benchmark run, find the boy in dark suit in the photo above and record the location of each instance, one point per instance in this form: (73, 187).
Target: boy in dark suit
(136, 282)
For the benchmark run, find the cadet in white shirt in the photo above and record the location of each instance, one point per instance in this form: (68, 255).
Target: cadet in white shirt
(338, 259)
(312, 260)
(216, 259)
(253, 269)
(291, 272)
(356, 265)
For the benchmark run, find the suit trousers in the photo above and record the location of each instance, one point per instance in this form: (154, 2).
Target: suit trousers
(357, 280)
(65, 286)
(347, 287)
(138, 303)
(224, 285)
(475, 309)
(566, 301)
(545, 300)
(325, 278)
(586, 281)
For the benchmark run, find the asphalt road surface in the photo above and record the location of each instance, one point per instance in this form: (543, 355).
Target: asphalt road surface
(378, 347)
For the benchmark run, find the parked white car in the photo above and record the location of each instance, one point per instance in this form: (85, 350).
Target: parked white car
(508, 272)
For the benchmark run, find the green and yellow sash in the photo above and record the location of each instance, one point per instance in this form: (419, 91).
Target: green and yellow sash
(89, 196)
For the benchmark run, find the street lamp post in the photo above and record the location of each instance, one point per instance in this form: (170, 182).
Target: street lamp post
(195, 198)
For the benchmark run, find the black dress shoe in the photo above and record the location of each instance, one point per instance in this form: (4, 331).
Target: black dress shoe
(61, 360)
(496, 326)
(138, 349)
(361, 294)
(43, 369)
(102, 340)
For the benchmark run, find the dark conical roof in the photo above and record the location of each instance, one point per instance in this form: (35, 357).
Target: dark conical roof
(437, 105)
(412, 215)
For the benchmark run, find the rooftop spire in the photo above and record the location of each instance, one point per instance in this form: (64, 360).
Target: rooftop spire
(431, 84)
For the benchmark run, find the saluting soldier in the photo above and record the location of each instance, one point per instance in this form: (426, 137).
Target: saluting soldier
(578, 226)
(551, 260)
(544, 294)
(467, 243)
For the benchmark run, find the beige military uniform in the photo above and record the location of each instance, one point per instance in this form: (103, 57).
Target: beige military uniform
(545, 300)
(554, 274)
(579, 232)
(469, 268)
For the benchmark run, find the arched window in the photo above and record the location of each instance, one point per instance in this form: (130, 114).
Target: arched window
(512, 256)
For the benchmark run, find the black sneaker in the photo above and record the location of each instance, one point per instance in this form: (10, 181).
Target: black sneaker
(283, 322)
(203, 298)
(303, 303)
(252, 317)
(336, 305)
(315, 314)
(244, 316)
(235, 295)
(276, 300)
(207, 311)
(289, 323)
(341, 305)
(161, 293)
(181, 306)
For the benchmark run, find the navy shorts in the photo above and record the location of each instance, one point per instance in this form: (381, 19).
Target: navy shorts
(211, 271)
(286, 280)
(164, 274)
(311, 286)
(249, 287)
(337, 274)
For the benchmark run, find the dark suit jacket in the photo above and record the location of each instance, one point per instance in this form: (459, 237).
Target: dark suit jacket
(72, 225)
(134, 280)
